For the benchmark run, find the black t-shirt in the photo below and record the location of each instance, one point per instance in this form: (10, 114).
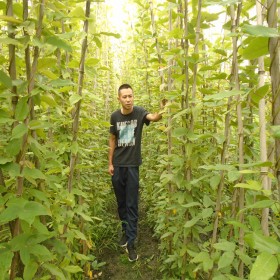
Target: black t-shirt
(128, 132)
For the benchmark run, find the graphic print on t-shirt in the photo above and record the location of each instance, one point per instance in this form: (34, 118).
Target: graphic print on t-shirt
(126, 133)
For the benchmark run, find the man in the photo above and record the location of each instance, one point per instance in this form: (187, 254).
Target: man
(124, 161)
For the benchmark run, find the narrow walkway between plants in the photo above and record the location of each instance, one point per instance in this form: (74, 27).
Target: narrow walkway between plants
(118, 266)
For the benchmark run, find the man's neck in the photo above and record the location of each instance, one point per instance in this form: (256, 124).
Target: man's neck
(125, 111)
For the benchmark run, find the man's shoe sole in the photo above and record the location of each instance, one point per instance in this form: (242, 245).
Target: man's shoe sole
(124, 245)
(131, 259)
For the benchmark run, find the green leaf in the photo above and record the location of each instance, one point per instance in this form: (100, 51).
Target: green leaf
(254, 222)
(20, 242)
(74, 98)
(238, 224)
(12, 168)
(251, 185)
(60, 247)
(61, 83)
(92, 61)
(74, 147)
(215, 181)
(59, 43)
(231, 277)
(40, 250)
(9, 41)
(220, 51)
(208, 264)
(226, 260)
(82, 257)
(22, 109)
(46, 63)
(5, 263)
(263, 243)
(10, 213)
(256, 164)
(176, 33)
(79, 235)
(5, 79)
(256, 48)
(218, 167)
(72, 268)
(37, 124)
(200, 257)
(264, 267)
(22, 209)
(116, 35)
(97, 42)
(179, 131)
(48, 99)
(233, 175)
(30, 270)
(205, 259)
(10, 19)
(5, 117)
(84, 216)
(275, 130)
(225, 246)
(246, 259)
(260, 31)
(259, 205)
(19, 131)
(33, 173)
(25, 254)
(206, 213)
(222, 95)
(191, 204)
(14, 146)
(78, 12)
(166, 234)
(260, 93)
(5, 160)
(54, 270)
(192, 222)
(32, 209)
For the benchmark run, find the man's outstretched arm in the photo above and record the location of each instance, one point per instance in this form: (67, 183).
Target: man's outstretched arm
(155, 117)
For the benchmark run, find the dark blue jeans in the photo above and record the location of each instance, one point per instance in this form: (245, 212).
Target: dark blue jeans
(126, 186)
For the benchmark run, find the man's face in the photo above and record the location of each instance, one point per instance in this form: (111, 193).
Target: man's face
(126, 98)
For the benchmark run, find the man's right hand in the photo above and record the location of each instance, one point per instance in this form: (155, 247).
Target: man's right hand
(111, 169)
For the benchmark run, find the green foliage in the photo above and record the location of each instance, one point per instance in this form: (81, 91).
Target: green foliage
(57, 227)
(182, 173)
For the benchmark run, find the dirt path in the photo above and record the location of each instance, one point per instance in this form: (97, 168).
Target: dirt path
(118, 266)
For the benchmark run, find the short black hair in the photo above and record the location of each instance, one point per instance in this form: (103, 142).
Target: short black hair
(123, 86)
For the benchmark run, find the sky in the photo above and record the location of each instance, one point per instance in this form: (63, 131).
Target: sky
(119, 13)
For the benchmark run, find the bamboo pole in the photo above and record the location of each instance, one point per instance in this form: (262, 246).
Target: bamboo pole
(195, 67)
(240, 128)
(16, 268)
(12, 55)
(185, 105)
(154, 30)
(235, 85)
(76, 114)
(274, 50)
(263, 145)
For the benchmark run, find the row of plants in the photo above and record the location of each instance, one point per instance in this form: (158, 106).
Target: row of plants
(210, 176)
(55, 65)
